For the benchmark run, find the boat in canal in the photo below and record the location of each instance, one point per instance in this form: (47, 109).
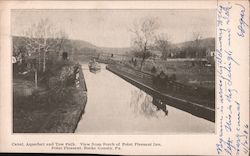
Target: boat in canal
(94, 66)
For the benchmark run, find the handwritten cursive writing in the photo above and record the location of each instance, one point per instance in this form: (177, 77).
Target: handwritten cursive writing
(224, 14)
(232, 135)
(242, 23)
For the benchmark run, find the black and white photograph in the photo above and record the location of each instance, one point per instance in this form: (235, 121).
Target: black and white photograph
(113, 71)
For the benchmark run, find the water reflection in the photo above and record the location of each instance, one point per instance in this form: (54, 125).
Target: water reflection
(141, 104)
(94, 71)
(116, 107)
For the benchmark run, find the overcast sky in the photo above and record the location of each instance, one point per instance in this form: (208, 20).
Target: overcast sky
(109, 28)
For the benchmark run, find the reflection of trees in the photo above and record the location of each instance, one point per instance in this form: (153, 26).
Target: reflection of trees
(141, 103)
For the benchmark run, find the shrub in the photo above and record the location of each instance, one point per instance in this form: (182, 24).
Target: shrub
(153, 70)
(172, 77)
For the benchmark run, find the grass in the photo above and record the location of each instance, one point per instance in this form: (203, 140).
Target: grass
(184, 71)
(198, 79)
(55, 106)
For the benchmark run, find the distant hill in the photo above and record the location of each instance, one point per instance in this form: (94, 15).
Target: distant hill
(119, 51)
(207, 43)
(83, 44)
(75, 44)
(84, 47)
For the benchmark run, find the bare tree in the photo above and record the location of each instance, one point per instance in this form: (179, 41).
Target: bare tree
(42, 37)
(196, 43)
(143, 37)
(162, 43)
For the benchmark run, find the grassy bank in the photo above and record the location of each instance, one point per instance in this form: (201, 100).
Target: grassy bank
(56, 105)
(186, 72)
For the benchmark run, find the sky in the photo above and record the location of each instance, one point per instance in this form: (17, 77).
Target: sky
(110, 28)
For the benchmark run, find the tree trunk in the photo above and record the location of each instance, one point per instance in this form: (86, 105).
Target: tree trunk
(142, 61)
(39, 60)
(35, 78)
(44, 61)
(144, 54)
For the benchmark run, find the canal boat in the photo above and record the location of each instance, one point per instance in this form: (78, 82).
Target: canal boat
(94, 66)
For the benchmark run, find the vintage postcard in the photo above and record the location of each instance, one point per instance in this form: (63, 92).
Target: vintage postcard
(125, 77)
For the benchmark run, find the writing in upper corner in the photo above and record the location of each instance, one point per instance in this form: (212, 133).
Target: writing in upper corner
(242, 26)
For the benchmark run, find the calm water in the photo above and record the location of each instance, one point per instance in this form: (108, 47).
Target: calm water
(116, 107)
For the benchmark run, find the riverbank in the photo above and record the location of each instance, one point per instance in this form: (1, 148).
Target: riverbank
(55, 106)
(199, 107)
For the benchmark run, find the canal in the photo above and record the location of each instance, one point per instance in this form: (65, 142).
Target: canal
(115, 106)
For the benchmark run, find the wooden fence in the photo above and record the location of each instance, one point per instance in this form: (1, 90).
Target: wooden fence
(79, 78)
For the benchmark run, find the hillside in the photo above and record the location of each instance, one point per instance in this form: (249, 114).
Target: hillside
(78, 44)
(119, 51)
(83, 44)
(81, 47)
(207, 43)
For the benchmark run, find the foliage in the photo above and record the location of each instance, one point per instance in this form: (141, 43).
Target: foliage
(153, 70)
(172, 77)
